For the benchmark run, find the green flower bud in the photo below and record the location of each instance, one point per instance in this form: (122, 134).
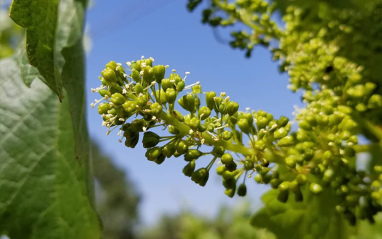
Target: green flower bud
(290, 162)
(248, 164)
(375, 101)
(109, 76)
(156, 109)
(192, 154)
(283, 121)
(259, 145)
(322, 120)
(180, 86)
(242, 190)
(231, 166)
(169, 149)
(227, 135)
(229, 183)
(130, 107)
(286, 141)
(188, 102)
(315, 188)
(197, 102)
(230, 192)
(142, 100)
(210, 102)
(160, 159)
(193, 123)
(189, 169)
(196, 89)
(170, 95)
(153, 153)
(204, 113)
(150, 139)
(135, 75)
(104, 93)
(138, 88)
(159, 72)
(175, 78)
(173, 130)
(182, 147)
(275, 183)
(283, 196)
(132, 137)
(280, 133)
(103, 108)
(166, 84)
(117, 99)
(200, 176)
(218, 151)
(258, 178)
(232, 108)
(220, 169)
(227, 158)
(261, 122)
(112, 65)
(244, 125)
(301, 179)
(148, 74)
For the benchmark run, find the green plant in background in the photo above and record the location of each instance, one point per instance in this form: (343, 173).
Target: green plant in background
(116, 198)
(331, 56)
(228, 223)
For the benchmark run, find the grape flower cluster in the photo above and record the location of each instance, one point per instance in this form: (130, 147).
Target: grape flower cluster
(249, 144)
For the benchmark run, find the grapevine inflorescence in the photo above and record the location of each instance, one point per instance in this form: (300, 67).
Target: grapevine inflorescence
(342, 93)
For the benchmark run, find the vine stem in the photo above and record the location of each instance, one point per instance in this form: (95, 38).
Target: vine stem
(185, 130)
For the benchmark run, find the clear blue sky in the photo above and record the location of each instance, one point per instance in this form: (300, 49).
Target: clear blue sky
(163, 29)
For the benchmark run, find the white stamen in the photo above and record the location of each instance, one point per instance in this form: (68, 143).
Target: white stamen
(247, 109)
(142, 57)
(152, 59)
(119, 64)
(144, 129)
(128, 63)
(121, 119)
(166, 66)
(191, 131)
(153, 118)
(189, 86)
(212, 135)
(222, 127)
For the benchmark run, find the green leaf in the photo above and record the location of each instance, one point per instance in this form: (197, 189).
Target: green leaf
(40, 20)
(43, 182)
(315, 217)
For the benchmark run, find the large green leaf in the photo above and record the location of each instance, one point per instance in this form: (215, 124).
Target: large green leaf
(43, 182)
(315, 217)
(40, 20)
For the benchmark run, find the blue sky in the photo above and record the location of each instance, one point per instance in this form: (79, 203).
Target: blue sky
(164, 29)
